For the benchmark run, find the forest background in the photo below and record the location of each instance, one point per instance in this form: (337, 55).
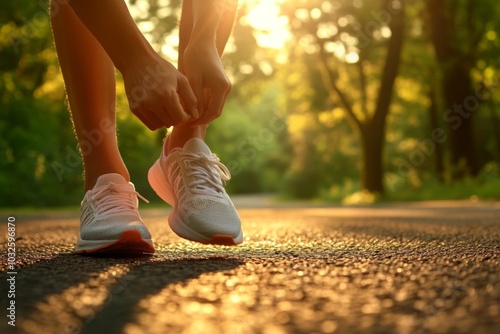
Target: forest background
(341, 101)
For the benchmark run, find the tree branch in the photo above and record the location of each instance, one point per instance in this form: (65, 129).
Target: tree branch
(390, 71)
(330, 82)
(362, 84)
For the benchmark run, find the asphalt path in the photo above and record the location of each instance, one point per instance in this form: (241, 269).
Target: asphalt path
(405, 268)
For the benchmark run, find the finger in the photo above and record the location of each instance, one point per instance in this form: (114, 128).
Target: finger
(214, 107)
(197, 87)
(174, 109)
(188, 97)
(159, 113)
(148, 119)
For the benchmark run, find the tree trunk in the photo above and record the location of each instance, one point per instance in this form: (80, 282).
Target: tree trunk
(457, 88)
(373, 130)
(372, 139)
(495, 125)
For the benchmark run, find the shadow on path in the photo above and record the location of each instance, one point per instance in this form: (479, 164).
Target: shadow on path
(146, 276)
(122, 307)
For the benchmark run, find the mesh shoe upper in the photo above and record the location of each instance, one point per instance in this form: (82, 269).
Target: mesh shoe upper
(196, 177)
(109, 209)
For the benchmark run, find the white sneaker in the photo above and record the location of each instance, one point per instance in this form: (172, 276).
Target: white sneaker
(110, 221)
(191, 180)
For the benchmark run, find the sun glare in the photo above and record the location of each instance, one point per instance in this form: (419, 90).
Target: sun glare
(263, 15)
(271, 27)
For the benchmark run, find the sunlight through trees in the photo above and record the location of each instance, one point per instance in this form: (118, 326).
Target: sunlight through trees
(339, 100)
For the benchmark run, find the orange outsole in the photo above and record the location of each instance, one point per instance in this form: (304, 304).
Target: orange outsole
(219, 239)
(130, 243)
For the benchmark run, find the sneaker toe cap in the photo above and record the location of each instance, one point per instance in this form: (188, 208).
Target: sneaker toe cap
(210, 223)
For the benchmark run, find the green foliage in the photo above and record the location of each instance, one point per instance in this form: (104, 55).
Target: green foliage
(281, 131)
(36, 133)
(40, 164)
(250, 138)
(139, 149)
(418, 187)
(484, 187)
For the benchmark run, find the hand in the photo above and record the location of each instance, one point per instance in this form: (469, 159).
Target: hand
(203, 68)
(158, 94)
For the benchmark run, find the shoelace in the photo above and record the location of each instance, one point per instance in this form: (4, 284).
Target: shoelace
(121, 200)
(207, 172)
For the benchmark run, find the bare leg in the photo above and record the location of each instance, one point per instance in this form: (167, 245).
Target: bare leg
(182, 133)
(90, 84)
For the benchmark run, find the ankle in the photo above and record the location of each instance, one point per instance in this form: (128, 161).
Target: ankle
(182, 134)
(90, 177)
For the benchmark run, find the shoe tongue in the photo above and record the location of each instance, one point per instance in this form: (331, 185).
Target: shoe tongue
(196, 145)
(110, 178)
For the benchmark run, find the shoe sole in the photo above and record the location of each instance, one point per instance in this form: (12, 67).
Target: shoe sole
(184, 231)
(158, 183)
(130, 243)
